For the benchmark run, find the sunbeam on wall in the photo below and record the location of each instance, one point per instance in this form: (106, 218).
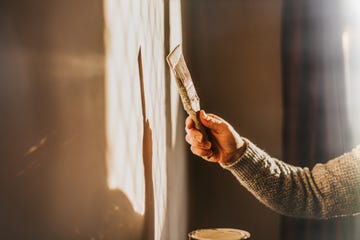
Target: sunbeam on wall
(175, 39)
(135, 35)
(351, 48)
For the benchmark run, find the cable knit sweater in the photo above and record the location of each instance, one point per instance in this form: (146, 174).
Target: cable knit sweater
(328, 190)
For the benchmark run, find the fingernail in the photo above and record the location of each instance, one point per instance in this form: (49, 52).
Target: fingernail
(207, 117)
(216, 121)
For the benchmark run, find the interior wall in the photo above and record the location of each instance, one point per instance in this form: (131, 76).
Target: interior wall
(145, 154)
(233, 50)
(86, 102)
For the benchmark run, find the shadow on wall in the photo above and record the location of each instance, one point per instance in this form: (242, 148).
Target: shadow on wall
(53, 182)
(149, 227)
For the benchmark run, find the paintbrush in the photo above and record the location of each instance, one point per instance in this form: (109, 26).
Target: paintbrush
(187, 91)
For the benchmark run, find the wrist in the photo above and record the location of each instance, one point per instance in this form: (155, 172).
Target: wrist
(237, 154)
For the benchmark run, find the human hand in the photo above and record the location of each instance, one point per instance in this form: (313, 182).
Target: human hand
(223, 141)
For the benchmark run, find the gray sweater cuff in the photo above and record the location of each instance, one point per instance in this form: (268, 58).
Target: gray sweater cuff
(247, 163)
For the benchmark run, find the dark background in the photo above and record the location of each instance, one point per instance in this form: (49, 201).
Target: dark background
(233, 50)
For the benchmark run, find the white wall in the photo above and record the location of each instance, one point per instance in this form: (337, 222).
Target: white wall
(142, 110)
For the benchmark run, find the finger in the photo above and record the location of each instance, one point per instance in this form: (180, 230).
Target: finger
(205, 154)
(210, 158)
(215, 116)
(195, 134)
(193, 142)
(212, 121)
(189, 123)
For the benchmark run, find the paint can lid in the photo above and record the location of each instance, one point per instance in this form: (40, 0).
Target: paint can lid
(219, 234)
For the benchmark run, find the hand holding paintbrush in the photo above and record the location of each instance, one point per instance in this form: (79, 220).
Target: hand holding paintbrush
(225, 141)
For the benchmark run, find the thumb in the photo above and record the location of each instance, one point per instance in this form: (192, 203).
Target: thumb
(211, 121)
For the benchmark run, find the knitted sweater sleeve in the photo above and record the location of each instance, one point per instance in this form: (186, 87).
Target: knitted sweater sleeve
(328, 190)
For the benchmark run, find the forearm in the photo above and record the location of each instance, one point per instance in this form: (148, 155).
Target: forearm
(297, 191)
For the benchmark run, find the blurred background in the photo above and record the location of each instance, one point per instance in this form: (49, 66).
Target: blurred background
(234, 51)
(284, 74)
(92, 132)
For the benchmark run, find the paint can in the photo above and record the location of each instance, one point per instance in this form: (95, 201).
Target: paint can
(219, 234)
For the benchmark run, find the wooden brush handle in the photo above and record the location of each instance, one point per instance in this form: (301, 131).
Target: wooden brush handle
(195, 116)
